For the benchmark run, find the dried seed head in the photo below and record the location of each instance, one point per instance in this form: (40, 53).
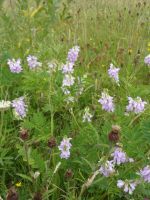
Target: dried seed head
(116, 128)
(37, 196)
(68, 174)
(12, 194)
(113, 136)
(24, 134)
(52, 142)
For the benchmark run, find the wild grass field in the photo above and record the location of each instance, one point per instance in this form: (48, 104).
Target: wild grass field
(74, 99)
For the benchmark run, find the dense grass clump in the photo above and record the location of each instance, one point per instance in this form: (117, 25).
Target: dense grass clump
(74, 106)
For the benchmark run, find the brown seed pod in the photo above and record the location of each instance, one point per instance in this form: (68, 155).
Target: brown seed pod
(37, 196)
(24, 134)
(12, 194)
(52, 142)
(68, 174)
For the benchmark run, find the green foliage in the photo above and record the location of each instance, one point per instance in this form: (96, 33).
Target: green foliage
(107, 31)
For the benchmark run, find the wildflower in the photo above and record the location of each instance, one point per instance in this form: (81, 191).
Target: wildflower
(33, 62)
(24, 134)
(135, 105)
(64, 147)
(127, 185)
(119, 156)
(18, 184)
(113, 73)
(87, 116)
(107, 102)
(68, 80)
(147, 60)
(73, 54)
(107, 168)
(15, 65)
(36, 174)
(19, 107)
(67, 68)
(114, 134)
(4, 105)
(145, 173)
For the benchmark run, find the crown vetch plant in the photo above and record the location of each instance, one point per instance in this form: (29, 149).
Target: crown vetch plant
(58, 138)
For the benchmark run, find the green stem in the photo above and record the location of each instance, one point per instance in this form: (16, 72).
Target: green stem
(2, 122)
(27, 157)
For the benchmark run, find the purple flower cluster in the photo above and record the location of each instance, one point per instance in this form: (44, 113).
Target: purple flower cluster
(64, 147)
(68, 68)
(15, 65)
(135, 105)
(107, 102)
(107, 168)
(113, 72)
(33, 62)
(73, 54)
(68, 80)
(127, 185)
(119, 156)
(147, 60)
(145, 173)
(20, 107)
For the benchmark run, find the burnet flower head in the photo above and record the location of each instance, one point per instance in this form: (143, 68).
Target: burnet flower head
(65, 147)
(20, 107)
(113, 73)
(4, 105)
(87, 117)
(147, 60)
(128, 186)
(135, 105)
(107, 168)
(15, 65)
(107, 102)
(145, 173)
(33, 62)
(73, 54)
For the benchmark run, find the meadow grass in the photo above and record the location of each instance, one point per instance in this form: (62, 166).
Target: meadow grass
(112, 31)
